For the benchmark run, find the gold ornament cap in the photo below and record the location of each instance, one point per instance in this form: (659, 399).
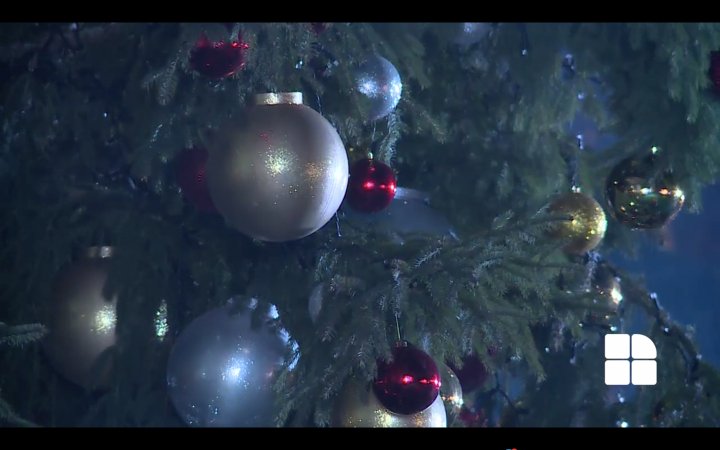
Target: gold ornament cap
(98, 252)
(279, 98)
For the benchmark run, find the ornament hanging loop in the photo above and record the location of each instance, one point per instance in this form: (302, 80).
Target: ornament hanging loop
(278, 98)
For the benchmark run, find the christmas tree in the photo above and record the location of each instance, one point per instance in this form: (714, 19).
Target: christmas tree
(347, 224)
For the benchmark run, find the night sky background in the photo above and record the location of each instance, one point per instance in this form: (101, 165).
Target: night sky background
(683, 265)
(685, 272)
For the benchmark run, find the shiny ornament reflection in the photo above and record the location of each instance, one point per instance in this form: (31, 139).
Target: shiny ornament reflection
(221, 371)
(408, 383)
(379, 85)
(82, 319)
(279, 172)
(358, 407)
(607, 285)
(586, 225)
(642, 192)
(371, 187)
(218, 59)
(450, 390)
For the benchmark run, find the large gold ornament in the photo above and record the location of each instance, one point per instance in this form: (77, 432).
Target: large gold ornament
(586, 225)
(279, 171)
(358, 407)
(82, 321)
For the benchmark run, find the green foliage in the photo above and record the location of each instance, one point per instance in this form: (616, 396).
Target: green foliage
(93, 118)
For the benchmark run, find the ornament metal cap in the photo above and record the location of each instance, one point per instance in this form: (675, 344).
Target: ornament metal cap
(279, 98)
(95, 252)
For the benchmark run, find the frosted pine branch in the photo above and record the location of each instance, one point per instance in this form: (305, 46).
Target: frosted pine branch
(19, 335)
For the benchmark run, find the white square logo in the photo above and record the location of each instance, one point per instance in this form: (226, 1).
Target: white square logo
(630, 359)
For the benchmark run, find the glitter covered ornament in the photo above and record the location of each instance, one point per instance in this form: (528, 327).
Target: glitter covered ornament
(221, 370)
(378, 85)
(279, 171)
(585, 226)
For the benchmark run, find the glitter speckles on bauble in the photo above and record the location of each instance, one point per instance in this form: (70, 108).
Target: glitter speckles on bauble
(218, 59)
(221, 370)
(379, 87)
(82, 320)
(585, 226)
(278, 171)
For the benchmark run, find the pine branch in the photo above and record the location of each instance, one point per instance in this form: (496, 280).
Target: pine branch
(8, 415)
(21, 335)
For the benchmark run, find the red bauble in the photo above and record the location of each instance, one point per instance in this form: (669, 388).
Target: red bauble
(371, 187)
(190, 175)
(409, 383)
(319, 27)
(218, 59)
(473, 419)
(473, 373)
(715, 70)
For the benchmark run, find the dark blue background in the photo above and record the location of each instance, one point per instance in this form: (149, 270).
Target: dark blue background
(685, 273)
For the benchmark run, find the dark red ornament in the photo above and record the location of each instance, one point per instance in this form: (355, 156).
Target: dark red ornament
(218, 59)
(371, 187)
(190, 175)
(472, 418)
(715, 70)
(319, 27)
(409, 383)
(473, 374)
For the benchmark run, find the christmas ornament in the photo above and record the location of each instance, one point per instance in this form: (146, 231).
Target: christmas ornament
(642, 192)
(371, 187)
(606, 284)
(379, 87)
(319, 27)
(586, 225)
(221, 371)
(358, 407)
(409, 383)
(450, 390)
(472, 375)
(190, 175)
(279, 172)
(82, 321)
(409, 213)
(218, 59)
(715, 70)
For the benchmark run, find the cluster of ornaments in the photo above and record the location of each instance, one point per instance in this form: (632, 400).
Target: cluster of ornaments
(278, 171)
(410, 390)
(641, 193)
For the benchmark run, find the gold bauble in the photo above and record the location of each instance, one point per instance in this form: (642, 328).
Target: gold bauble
(358, 407)
(279, 171)
(450, 390)
(586, 225)
(82, 320)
